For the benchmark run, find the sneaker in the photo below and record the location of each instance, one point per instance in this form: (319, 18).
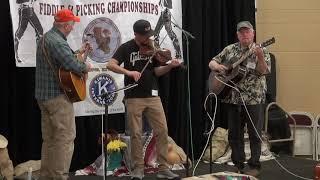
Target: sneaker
(136, 174)
(252, 172)
(167, 174)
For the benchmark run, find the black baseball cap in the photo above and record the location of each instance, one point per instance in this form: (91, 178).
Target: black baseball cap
(143, 27)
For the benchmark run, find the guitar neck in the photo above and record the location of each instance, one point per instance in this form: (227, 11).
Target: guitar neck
(250, 51)
(243, 57)
(83, 57)
(87, 50)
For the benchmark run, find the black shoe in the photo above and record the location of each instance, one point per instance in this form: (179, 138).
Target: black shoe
(18, 59)
(167, 174)
(236, 170)
(137, 174)
(252, 172)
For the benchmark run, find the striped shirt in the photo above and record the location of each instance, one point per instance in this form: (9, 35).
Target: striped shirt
(60, 55)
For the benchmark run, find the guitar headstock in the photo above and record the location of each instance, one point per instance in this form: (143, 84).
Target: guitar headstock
(268, 42)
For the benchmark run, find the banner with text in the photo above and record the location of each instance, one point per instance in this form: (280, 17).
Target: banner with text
(105, 24)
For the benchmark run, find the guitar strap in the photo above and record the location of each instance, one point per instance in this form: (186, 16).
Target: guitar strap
(46, 57)
(244, 54)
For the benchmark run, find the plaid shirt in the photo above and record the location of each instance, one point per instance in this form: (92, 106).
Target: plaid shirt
(254, 86)
(61, 55)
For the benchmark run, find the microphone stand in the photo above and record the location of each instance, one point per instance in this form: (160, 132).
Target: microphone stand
(187, 35)
(104, 123)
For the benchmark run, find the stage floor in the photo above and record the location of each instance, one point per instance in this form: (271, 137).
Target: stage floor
(270, 170)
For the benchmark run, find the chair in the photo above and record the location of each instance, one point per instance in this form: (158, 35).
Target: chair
(317, 135)
(287, 117)
(305, 134)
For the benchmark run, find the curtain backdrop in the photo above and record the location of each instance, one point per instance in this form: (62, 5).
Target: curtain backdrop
(213, 23)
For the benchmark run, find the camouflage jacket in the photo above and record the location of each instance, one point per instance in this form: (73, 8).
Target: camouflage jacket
(253, 87)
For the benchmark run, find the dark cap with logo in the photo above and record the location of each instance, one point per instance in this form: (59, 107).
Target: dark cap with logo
(143, 27)
(244, 24)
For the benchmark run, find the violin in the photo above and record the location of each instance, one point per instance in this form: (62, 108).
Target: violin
(162, 55)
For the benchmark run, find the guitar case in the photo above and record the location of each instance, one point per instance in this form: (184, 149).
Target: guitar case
(272, 81)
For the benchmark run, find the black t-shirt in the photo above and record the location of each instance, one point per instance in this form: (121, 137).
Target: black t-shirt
(128, 53)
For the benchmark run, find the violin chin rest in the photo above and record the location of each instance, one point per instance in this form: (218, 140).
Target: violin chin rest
(165, 54)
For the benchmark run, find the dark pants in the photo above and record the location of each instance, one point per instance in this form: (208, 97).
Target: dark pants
(237, 117)
(27, 15)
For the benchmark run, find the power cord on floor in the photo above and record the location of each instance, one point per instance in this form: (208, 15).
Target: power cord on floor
(211, 129)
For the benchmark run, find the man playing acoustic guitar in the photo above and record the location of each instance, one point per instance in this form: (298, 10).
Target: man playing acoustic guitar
(58, 121)
(252, 88)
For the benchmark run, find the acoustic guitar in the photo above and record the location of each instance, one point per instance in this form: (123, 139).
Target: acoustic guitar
(73, 84)
(234, 73)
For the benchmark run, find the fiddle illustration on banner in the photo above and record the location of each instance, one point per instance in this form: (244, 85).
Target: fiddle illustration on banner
(102, 36)
(105, 39)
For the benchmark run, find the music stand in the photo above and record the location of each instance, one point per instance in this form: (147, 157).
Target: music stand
(104, 125)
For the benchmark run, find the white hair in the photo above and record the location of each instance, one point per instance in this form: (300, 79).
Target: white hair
(61, 24)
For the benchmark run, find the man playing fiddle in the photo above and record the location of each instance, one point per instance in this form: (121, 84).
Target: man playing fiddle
(143, 98)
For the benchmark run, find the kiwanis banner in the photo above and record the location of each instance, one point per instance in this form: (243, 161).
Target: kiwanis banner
(106, 24)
